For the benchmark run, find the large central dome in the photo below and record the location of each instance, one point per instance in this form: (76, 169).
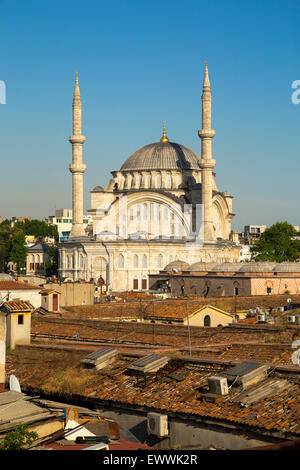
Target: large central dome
(162, 156)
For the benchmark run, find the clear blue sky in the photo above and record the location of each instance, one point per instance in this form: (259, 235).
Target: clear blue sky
(141, 62)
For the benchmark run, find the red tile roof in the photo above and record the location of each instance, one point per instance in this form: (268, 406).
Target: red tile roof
(18, 306)
(14, 285)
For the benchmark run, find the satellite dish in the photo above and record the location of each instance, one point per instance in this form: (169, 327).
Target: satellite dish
(14, 384)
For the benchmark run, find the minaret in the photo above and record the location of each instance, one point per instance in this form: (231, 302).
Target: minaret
(77, 168)
(207, 163)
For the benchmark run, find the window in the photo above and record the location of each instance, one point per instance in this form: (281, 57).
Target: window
(135, 261)
(120, 261)
(81, 261)
(269, 290)
(20, 319)
(159, 261)
(144, 261)
(207, 320)
(144, 284)
(236, 291)
(135, 284)
(158, 181)
(168, 181)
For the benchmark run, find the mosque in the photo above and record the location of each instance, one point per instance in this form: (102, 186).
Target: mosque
(162, 206)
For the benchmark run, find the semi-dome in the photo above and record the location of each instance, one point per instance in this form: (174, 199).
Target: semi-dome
(178, 264)
(162, 156)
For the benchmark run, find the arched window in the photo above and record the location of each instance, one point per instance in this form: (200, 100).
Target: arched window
(148, 181)
(158, 181)
(168, 181)
(144, 261)
(145, 211)
(37, 258)
(120, 261)
(207, 320)
(81, 261)
(159, 260)
(144, 283)
(135, 261)
(135, 284)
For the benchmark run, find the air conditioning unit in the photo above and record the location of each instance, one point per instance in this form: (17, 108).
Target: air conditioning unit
(157, 424)
(291, 319)
(281, 309)
(261, 317)
(218, 385)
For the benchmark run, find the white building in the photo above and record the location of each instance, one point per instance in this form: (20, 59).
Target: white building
(63, 221)
(13, 290)
(245, 254)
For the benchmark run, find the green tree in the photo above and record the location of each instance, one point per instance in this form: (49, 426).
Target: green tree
(38, 228)
(51, 265)
(6, 235)
(18, 250)
(18, 439)
(277, 244)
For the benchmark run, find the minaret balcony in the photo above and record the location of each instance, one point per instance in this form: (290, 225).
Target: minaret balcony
(77, 167)
(206, 133)
(77, 139)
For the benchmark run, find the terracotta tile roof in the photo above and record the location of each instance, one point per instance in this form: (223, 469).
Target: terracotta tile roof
(14, 285)
(18, 306)
(177, 388)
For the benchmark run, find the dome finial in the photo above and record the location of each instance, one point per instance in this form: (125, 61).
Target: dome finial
(164, 137)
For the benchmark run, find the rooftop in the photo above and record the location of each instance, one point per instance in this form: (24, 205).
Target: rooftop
(15, 285)
(179, 388)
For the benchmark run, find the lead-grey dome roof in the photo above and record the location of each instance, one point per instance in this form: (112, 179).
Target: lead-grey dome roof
(162, 156)
(177, 264)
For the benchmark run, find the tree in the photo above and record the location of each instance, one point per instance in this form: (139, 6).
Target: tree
(18, 251)
(38, 228)
(6, 235)
(277, 243)
(51, 265)
(18, 439)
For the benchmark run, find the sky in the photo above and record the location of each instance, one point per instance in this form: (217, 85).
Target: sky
(139, 63)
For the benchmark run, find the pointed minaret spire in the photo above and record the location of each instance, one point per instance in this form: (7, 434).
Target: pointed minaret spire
(164, 136)
(206, 82)
(207, 163)
(77, 168)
